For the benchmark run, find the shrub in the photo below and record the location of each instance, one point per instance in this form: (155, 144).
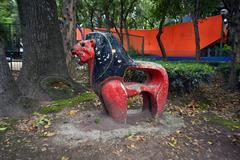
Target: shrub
(183, 76)
(186, 77)
(225, 69)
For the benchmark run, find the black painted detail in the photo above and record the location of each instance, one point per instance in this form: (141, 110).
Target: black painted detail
(110, 57)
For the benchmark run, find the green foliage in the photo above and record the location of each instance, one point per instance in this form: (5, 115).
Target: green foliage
(206, 7)
(227, 47)
(134, 76)
(183, 77)
(7, 124)
(8, 11)
(225, 69)
(186, 77)
(44, 120)
(58, 105)
(163, 8)
(97, 121)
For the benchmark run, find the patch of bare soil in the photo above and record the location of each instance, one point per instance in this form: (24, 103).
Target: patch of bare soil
(60, 136)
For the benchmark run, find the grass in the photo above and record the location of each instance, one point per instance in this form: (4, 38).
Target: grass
(97, 120)
(214, 119)
(58, 105)
(7, 124)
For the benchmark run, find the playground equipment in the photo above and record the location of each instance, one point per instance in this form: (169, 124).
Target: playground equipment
(108, 62)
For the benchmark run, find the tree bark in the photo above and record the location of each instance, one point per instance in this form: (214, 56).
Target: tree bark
(107, 16)
(235, 34)
(91, 20)
(9, 91)
(121, 20)
(108, 21)
(233, 16)
(194, 16)
(69, 26)
(44, 62)
(124, 21)
(127, 36)
(158, 37)
(69, 34)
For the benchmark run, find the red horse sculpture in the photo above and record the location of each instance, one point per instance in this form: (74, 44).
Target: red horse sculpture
(108, 62)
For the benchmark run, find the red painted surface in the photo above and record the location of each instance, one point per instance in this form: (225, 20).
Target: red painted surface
(114, 92)
(179, 39)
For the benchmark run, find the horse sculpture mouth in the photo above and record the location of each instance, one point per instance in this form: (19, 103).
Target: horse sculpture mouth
(75, 56)
(84, 50)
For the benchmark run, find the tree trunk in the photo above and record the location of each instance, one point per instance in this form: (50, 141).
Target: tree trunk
(91, 20)
(234, 78)
(158, 37)
(127, 36)
(108, 21)
(44, 64)
(99, 21)
(69, 34)
(9, 91)
(69, 26)
(194, 16)
(121, 20)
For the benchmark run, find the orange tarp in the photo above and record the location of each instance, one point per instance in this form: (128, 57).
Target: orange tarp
(178, 40)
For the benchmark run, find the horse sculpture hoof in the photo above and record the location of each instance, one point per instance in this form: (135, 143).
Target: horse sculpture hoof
(108, 62)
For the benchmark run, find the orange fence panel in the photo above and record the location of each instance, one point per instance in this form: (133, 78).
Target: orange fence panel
(178, 39)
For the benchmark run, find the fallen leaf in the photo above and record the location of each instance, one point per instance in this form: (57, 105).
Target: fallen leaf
(73, 112)
(50, 134)
(134, 137)
(117, 152)
(172, 142)
(65, 158)
(131, 146)
(43, 149)
(209, 142)
(2, 129)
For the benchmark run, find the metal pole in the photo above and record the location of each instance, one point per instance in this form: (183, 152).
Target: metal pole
(222, 32)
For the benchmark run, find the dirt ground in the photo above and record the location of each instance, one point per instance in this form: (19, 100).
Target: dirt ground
(186, 130)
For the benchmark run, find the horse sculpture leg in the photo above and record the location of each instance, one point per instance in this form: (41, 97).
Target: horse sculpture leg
(154, 100)
(115, 99)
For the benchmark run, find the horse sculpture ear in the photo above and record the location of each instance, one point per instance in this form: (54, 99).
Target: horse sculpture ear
(93, 42)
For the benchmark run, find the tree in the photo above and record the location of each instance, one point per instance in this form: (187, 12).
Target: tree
(161, 10)
(115, 14)
(68, 29)
(89, 8)
(192, 7)
(144, 18)
(197, 9)
(44, 64)
(9, 91)
(127, 7)
(233, 7)
(68, 26)
(8, 12)
(195, 16)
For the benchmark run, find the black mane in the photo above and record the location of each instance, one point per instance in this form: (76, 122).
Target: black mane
(110, 57)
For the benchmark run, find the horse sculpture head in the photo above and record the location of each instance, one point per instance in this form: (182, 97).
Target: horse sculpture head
(84, 50)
